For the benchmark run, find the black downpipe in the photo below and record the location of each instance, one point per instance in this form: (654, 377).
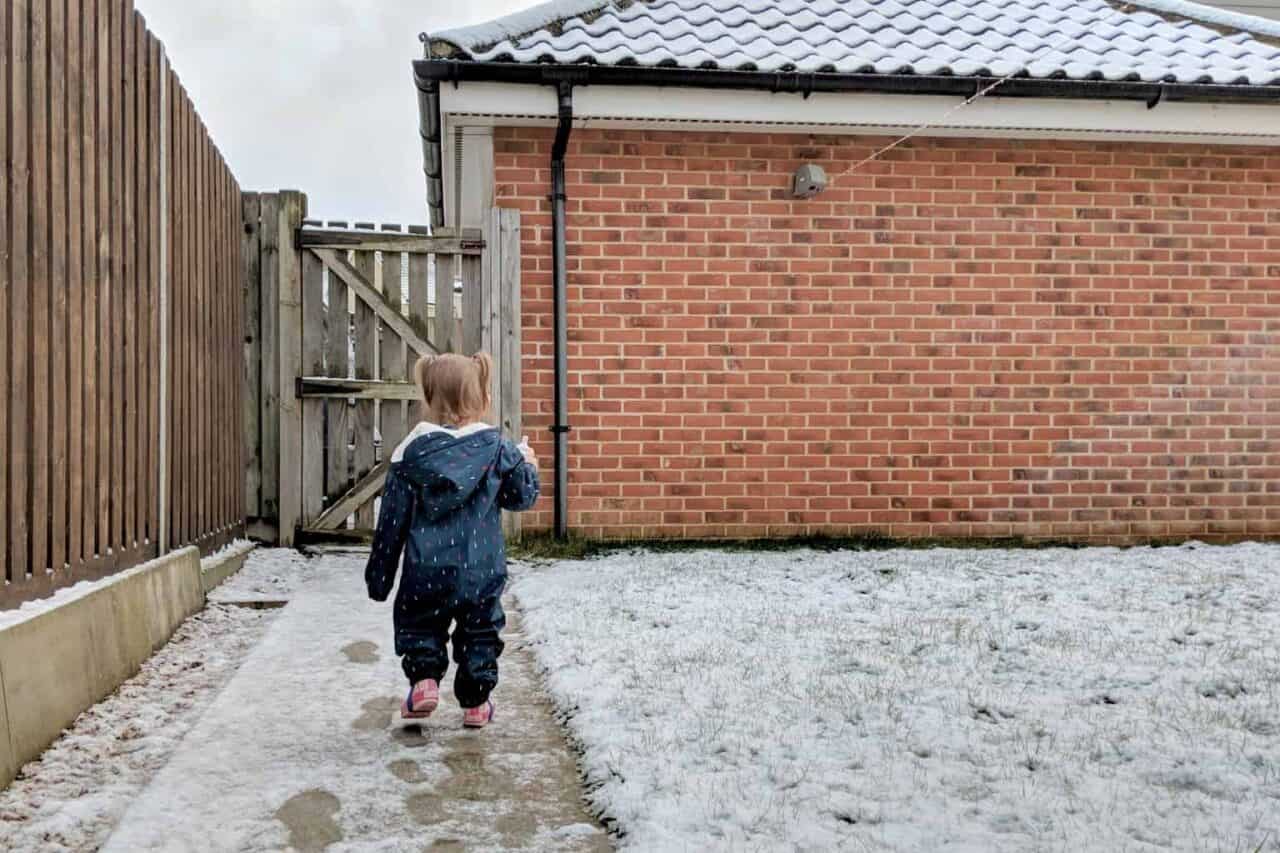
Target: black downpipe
(561, 426)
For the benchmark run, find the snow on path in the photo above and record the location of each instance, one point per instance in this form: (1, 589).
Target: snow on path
(941, 700)
(70, 798)
(298, 751)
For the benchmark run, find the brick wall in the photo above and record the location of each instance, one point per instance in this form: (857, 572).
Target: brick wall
(970, 337)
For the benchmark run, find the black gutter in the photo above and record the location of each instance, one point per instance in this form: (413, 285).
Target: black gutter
(560, 428)
(428, 71)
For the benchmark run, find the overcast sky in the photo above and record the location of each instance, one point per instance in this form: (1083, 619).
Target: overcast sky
(315, 95)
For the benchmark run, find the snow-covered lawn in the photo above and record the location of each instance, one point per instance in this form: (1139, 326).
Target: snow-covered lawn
(72, 796)
(977, 700)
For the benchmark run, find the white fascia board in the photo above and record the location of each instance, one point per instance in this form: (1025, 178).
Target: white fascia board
(670, 108)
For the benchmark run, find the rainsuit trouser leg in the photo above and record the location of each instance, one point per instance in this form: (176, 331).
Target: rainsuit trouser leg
(422, 637)
(476, 647)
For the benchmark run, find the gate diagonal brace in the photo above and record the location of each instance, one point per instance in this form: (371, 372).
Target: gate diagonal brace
(360, 494)
(365, 290)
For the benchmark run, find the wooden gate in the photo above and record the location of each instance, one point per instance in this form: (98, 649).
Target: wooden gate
(357, 305)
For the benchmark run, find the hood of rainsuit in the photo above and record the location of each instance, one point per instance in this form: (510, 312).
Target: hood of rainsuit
(447, 467)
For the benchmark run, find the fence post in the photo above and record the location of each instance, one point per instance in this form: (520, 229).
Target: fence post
(502, 248)
(293, 209)
(251, 287)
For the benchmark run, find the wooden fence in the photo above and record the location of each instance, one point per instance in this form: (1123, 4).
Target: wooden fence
(342, 313)
(119, 287)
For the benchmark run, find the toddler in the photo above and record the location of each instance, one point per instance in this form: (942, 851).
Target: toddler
(448, 481)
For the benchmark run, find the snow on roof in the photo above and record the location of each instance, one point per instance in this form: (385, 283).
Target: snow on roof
(1147, 40)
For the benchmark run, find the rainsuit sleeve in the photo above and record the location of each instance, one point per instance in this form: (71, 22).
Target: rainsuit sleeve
(388, 540)
(520, 486)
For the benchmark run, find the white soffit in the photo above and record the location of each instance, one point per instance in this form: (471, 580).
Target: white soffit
(662, 108)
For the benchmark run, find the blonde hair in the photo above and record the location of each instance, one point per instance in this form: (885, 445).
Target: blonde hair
(455, 389)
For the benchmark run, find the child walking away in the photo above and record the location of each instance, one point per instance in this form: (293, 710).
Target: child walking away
(440, 506)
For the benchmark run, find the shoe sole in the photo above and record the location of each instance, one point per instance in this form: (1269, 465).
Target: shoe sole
(492, 713)
(428, 708)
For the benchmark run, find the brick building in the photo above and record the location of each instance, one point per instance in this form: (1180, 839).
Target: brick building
(1053, 311)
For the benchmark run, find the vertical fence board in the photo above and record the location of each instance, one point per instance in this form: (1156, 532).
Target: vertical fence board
(312, 331)
(365, 363)
(89, 264)
(226, 289)
(420, 293)
(115, 348)
(446, 325)
(20, 284)
(337, 363)
(58, 393)
(191, 293)
(177, 282)
(270, 324)
(215, 450)
(392, 354)
(471, 303)
(128, 343)
(75, 289)
(221, 437)
(176, 216)
(102, 238)
(204, 385)
(142, 301)
(182, 338)
(205, 321)
(41, 209)
(154, 82)
(6, 249)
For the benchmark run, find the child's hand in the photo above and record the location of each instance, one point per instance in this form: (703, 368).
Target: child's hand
(527, 451)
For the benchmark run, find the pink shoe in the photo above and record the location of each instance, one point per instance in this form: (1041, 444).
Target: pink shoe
(478, 718)
(422, 700)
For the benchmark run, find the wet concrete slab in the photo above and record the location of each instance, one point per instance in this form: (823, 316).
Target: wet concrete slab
(300, 751)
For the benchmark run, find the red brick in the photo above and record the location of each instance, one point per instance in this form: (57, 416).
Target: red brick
(972, 337)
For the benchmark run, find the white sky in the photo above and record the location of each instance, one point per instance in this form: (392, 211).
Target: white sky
(315, 95)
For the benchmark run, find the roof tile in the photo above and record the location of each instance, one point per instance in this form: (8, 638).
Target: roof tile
(1170, 40)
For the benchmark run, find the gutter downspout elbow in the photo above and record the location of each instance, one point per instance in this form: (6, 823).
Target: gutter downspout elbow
(560, 427)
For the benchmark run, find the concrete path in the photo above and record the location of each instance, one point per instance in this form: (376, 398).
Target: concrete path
(298, 751)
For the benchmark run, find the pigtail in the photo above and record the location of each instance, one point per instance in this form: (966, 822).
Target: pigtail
(420, 376)
(484, 366)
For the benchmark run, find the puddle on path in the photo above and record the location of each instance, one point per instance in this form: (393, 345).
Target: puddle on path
(309, 818)
(362, 652)
(377, 714)
(407, 770)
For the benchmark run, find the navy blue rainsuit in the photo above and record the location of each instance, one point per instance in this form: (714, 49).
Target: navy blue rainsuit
(442, 499)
